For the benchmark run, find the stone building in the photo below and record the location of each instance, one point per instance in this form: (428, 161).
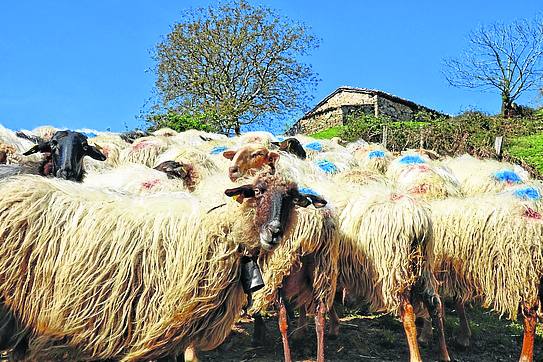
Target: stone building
(335, 109)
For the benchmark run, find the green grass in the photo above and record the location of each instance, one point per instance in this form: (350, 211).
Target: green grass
(529, 148)
(328, 133)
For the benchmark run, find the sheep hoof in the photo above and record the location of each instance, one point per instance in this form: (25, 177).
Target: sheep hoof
(333, 333)
(298, 335)
(462, 341)
(259, 339)
(423, 340)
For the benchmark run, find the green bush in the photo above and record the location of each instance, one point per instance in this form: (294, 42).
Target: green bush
(181, 122)
(470, 132)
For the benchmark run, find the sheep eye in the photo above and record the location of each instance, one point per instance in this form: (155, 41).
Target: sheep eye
(255, 155)
(85, 147)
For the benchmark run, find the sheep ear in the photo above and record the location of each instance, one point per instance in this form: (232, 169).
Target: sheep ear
(41, 147)
(273, 157)
(229, 154)
(317, 201)
(95, 153)
(240, 193)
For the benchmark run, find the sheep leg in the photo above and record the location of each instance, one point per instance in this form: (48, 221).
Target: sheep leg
(190, 354)
(408, 320)
(319, 327)
(333, 331)
(301, 328)
(530, 318)
(426, 333)
(172, 358)
(464, 335)
(259, 332)
(434, 306)
(20, 350)
(283, 328)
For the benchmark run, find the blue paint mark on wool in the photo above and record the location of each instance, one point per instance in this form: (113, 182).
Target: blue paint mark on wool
(327, 166)
(507, 176)
(218, 149)
(307, 191)
(376, 154)
(314, 146)
(528, 193)
(411, 160)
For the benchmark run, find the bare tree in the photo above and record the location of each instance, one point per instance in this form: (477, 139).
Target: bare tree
(508, 58)
(235, 62)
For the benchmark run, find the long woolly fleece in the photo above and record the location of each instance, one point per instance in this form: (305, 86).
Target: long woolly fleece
(314, 234)
(385, 246)
(419, 176)
(135, 178)
(117, 277)
(488, 248)
(373, 157)
(478, 176)
(144, 150)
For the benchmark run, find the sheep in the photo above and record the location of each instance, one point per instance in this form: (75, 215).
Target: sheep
(383, 230)
(165, 132)
(373, 157)
(250, 158)
(144, 150)
(293, 146)
(6, 153)
(260, 137)
(488, 248)
(197, 164)
(301, 273)
(485, 176)
(63, 156)
(130, 278)
(137, 179)
(419, 176)
(9, 138)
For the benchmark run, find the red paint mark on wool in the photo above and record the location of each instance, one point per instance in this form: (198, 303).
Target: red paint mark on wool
(532, 214)
(142, 145)
(395, 197)
(150, 184)
(419, 189)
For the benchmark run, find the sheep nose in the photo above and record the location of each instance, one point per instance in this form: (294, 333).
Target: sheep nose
(233, 172)
(275, 227)
(62, 174)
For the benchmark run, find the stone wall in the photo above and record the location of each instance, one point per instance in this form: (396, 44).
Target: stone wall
(318, 122)
(336, 111)
(396, 111)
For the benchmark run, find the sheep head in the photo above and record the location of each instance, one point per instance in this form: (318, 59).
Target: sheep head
(64, 155)
(273, 199)
(249, 159)
(292, 145)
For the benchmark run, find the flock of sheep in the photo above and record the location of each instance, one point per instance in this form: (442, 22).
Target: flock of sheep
(152, 247)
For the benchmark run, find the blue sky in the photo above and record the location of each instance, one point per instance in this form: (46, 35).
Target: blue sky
(84, 63)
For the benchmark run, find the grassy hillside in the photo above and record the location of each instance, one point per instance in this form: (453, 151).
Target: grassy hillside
(328, 133)
(529, 148)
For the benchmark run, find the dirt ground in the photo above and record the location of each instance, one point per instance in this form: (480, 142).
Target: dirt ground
(381, 338)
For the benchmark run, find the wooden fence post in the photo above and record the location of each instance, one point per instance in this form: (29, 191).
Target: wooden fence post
(498, 142)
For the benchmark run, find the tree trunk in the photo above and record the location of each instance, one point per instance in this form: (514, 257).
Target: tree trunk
(507, 106)
(237, 129)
